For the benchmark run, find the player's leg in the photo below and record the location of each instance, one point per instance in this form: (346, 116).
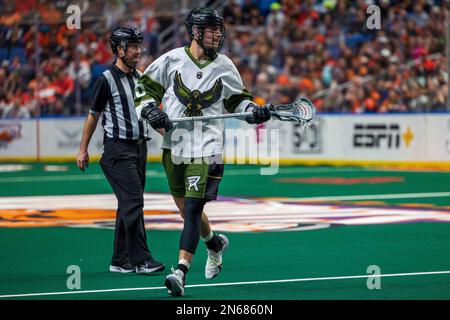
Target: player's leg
(205, 227)
(183, 176)
(189, 238)
(175, 178)
(201, 185)
(120, 168)
(218, 243)
(215, 244)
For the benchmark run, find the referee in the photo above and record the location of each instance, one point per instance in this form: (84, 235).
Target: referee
(125, 151)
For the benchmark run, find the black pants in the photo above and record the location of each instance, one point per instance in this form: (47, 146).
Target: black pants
(124, 165)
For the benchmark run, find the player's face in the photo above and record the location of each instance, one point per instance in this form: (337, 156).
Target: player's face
(133, 53)
(212, 36)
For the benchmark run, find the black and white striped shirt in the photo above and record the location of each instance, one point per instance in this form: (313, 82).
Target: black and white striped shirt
(113, 94)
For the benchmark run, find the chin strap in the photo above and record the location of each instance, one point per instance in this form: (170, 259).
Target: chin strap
(125, 63)
(212, 54)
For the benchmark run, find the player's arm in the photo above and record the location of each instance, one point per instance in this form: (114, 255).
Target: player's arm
(99, 99)
(149, 92)
(238, 99)
(88, 130)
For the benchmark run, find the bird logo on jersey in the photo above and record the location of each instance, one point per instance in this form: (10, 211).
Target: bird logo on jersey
(195, 100)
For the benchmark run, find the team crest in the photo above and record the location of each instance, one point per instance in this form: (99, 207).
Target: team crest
(199, 75)
(195, 100)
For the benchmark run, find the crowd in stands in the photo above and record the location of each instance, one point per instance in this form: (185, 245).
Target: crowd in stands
(320, 49)
(47, 69)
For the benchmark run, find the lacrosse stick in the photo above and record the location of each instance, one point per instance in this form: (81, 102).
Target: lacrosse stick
(301, 110)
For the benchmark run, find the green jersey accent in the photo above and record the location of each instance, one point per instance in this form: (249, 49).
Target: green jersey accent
(147, 89)
(190, 89)
(200, 65)
(232, 103)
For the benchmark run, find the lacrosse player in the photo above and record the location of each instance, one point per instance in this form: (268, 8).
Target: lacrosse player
(193, 81)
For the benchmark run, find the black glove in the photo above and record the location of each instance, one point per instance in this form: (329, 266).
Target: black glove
(260, 114)
(156, 117)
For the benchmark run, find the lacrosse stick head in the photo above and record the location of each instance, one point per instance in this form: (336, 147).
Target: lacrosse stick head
(301, 110)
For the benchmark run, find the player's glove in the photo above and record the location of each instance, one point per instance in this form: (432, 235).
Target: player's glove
(156, 117)
(260, 114)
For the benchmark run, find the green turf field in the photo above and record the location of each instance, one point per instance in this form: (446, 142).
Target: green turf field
(328, 263)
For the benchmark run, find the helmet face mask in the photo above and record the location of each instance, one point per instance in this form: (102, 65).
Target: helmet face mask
(200, 19)
(210, 37)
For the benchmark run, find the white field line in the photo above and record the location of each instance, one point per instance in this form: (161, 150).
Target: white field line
(226, 284)
(372, 196)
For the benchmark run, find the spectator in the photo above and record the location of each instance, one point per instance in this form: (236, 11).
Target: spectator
(319, 48)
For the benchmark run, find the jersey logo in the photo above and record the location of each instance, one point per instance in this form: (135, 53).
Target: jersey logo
(195, 100)
(193, 180)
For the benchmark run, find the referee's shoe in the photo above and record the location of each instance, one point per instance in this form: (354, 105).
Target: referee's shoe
(150, 266)
(124, 268)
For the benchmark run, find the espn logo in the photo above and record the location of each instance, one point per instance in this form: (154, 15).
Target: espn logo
(376, 136)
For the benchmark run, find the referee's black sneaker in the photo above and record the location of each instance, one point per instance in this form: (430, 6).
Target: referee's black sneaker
(150, 266)
(124, 268)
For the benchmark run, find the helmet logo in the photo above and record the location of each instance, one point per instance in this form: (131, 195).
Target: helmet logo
(195, 32)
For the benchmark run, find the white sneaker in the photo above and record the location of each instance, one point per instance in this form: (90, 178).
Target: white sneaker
(214, 262)
(175, 283)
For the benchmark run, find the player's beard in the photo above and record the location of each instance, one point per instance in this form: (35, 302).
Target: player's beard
(212, 44)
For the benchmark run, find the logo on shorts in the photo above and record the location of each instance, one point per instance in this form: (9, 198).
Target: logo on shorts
(193, 180)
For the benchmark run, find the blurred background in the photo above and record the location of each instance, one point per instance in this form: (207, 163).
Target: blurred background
(320, 49)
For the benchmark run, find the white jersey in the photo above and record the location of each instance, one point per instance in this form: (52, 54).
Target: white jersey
(185, 88)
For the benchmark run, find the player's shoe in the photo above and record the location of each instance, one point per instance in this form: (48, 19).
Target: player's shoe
(175, 283)
(150, 266)
(214, 262)
(124, 268)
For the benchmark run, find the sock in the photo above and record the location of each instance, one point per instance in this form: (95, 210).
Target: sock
(183, 265)
(213, 243)
(208, 237)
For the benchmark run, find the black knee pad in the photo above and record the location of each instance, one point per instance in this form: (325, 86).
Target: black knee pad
(193, 208)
